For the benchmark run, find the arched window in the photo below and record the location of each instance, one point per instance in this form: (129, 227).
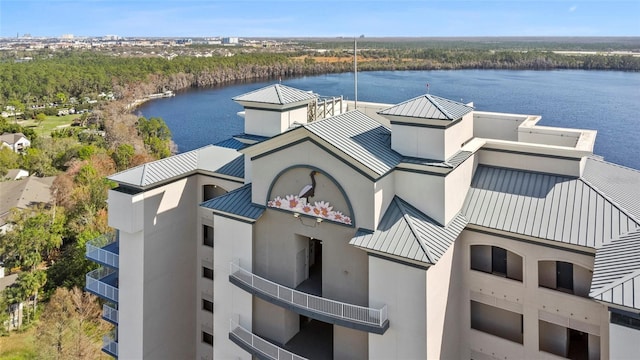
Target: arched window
(564, 276)
(497, 261)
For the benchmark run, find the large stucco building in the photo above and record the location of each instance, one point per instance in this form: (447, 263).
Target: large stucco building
(334, 229)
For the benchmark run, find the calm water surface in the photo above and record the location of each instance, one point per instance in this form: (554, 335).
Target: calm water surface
(605, 101)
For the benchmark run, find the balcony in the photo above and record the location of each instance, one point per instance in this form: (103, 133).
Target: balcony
(257, 346)
(103, 282)
(104, 250)
(110, 314)
(110, 346)
(315, 307)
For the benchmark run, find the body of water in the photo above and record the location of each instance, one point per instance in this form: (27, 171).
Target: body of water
(606, 101)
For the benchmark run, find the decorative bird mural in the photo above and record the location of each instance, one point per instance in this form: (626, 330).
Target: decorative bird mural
(309, 189)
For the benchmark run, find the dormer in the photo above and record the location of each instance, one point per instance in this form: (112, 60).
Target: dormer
(272, 110)
(429, 127)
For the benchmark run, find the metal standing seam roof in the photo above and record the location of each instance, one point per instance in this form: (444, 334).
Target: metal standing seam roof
(231, 143)
(545, 206)
(429, 107)
(452, 163)
(616, 272)
(233, 168)
(277, 94)
(620, 184)
(208, 158)
(360, 137)
(406, 232)
(236, 202)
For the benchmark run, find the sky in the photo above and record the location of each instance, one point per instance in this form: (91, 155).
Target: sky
(327, 18)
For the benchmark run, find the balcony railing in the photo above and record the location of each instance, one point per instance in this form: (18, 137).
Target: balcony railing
(110, 346)
(103, 282)
(258, 346)
(104, 249)
(364, 318)
(109, 314)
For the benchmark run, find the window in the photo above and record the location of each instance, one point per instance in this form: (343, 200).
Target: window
(207, 305)
(631, 321)
(566, 342)
(498, 322)
(564, 276)
(207, 235)
(496, 260)
(207, 273)
(207, 338)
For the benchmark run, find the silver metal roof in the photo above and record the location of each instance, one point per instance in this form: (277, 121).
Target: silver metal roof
(406, 232)
(236, 202)
(277, 94)
(545, 206)
(429, 107)
(233, 168)
(451, 163)
(209, 158)
(359, 137)
(231, 143)
(616, 272)
(620, 184)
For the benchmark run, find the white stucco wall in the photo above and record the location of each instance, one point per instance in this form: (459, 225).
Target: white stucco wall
(530, 162)
(404, 290)
(130, 211)
(425, 192)
(418, 141)
(624, 342)
(233, 242)
(457, 135)
(457, 185)
(262, 122)
(131, 295)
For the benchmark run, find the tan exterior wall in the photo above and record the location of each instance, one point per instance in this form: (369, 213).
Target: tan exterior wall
(457, 185)
(169, 250)
(357, 187)
(404, 290)
(349, 343)
(500, 126)
(384, 192)
(131, 294)
(526, 298)
(129, 217)
(457, 135)
(233, 242)
(443, 306)
(270, 123)
(529, 162)
(418, 141)
(425, 192)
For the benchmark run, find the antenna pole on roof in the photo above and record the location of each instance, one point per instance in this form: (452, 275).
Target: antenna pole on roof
(355, 70)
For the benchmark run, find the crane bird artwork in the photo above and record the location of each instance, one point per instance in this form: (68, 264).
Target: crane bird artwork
(309, 189)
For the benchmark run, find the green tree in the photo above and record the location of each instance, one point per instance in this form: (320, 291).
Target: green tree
(122, 156)
(37, 162)
(8, 160)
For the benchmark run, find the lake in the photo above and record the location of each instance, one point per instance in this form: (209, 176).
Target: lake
(606, 101)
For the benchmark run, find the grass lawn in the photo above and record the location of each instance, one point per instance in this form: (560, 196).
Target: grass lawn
(51, 123)
(18, 345)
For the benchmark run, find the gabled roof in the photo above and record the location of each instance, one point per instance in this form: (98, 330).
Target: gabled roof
(231, 143)
(359, 137)
(236, 203)
(11, 138)
(616, 272)
(209, 158)
(559, 208)
(406, 232)
(277, 94)
(429, 107)
(23, 193)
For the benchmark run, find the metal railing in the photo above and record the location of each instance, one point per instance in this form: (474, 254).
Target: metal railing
(336, 309)
(94, 283)
(95, 250)
(109, 346)
(259, 344)
(110, 313)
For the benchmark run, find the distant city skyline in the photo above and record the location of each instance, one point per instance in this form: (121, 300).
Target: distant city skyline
(311, 18)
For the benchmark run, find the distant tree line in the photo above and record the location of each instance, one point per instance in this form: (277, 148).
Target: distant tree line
(82, 73)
